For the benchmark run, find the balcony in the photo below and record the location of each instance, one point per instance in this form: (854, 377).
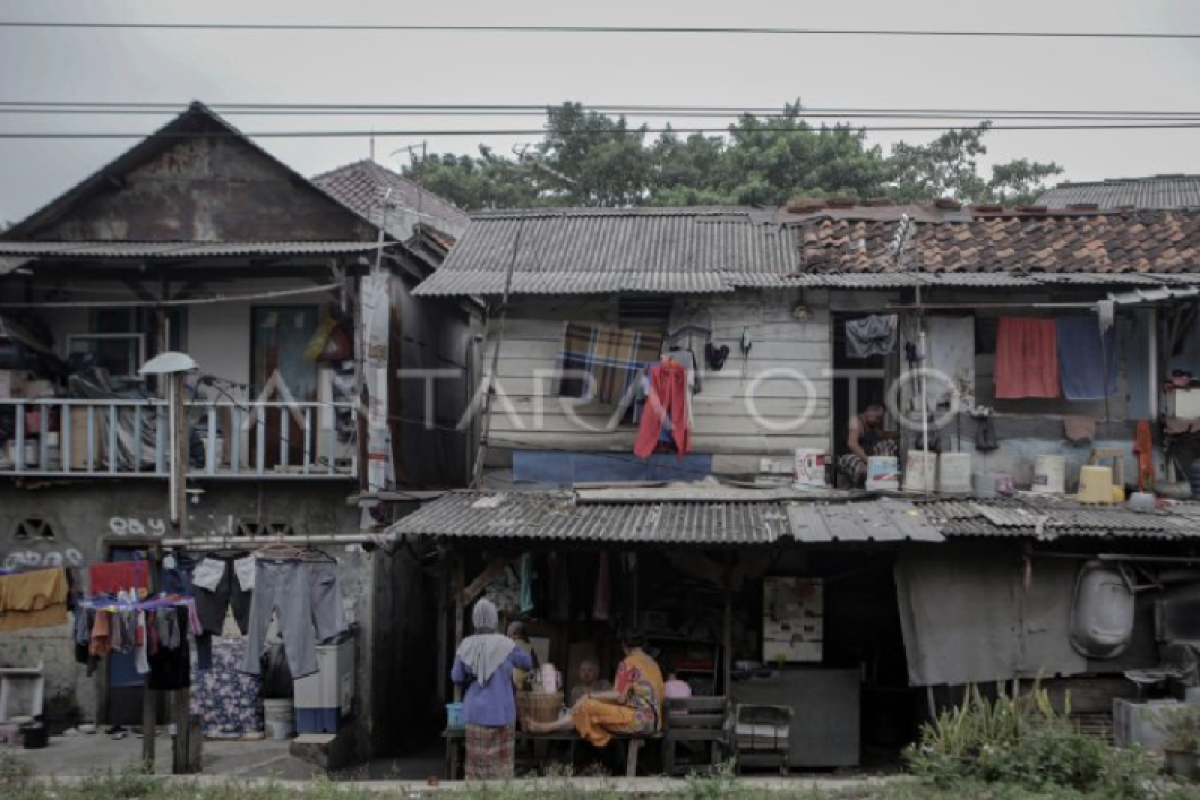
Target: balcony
(69, 437)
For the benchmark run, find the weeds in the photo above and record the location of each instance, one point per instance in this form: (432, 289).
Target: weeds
(1021, 740)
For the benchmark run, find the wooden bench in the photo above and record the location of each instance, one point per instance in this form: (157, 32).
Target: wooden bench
(703, 720)
(456, 746)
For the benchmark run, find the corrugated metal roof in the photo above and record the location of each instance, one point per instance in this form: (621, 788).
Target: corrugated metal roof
(556, 516)
(564, 516)
(701, 250)
(886, 520)
(1158, 191)
(100, 249)
(1045, 518)
(591, 251)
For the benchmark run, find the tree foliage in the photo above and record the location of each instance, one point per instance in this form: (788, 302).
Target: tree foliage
(590, 159)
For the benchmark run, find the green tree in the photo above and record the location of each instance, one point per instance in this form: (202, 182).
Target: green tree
(590, 159)
(949, 167)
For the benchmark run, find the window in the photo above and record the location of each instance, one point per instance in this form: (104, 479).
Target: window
(122, 339)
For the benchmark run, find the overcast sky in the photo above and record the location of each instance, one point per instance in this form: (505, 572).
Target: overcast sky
(404, 67)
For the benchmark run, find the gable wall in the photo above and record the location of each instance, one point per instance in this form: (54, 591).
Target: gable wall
(207, 189)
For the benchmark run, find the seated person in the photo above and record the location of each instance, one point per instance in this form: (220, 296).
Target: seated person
(675, 688)
(635, 706)
(589, 680)
(521, 678)
(865, 437)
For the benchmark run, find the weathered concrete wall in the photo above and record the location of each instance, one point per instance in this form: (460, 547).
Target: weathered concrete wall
(84, 520)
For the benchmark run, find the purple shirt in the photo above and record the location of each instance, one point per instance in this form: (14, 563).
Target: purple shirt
(493, 704)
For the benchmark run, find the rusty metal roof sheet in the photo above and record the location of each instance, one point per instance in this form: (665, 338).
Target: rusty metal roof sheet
(1050, 518)
(557, 516)
(169, 250)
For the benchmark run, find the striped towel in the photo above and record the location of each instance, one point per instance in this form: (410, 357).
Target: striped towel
(613, 357)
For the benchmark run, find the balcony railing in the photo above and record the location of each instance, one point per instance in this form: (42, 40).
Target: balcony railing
(69, 437)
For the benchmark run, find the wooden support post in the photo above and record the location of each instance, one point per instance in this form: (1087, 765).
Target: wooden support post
(443, 630)
(149, 698)
(182, 745)
(458, 578)
(727, 633)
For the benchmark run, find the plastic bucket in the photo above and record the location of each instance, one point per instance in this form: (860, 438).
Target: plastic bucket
(954, 473)
(280, 718)
(454, 716)
(1095, 484)
(1050, 474)
(920, 471)
(984, 484)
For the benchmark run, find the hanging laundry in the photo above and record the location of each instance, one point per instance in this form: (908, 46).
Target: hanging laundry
(1144, 448)
(1079, 429)
(34, 599)
(951, 353)
(117, 576)
(600, 362)
(668, 398)
(1026, 358)
(985, 434)
(526, 583)
(871, 336)
(1088, 360)
(687, 359)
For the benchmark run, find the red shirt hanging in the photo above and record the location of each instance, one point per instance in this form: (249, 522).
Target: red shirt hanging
(668, 396)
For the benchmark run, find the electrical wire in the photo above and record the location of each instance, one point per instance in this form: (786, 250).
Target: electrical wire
(589, 29)
(541, 108)
(1064, 117)
(639, 131)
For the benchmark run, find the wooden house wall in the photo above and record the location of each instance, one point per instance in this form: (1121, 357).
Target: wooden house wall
(724, 424)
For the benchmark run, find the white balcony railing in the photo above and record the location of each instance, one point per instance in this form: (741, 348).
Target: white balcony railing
(60, 437)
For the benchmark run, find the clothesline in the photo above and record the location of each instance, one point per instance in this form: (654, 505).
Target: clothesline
(142, 605)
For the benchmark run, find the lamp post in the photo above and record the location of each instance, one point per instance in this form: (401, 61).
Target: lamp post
(174, 367)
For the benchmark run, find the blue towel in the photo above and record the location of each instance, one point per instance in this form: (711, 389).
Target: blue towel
(1087, 363)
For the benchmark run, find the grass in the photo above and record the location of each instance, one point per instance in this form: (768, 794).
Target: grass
(18, 783)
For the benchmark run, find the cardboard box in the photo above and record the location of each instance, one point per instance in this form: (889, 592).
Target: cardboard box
(39, 388)
(13, 383)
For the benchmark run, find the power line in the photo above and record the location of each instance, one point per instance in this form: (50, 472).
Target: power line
(343, 134)
(714, 114)
(541, 108)
(589, 29)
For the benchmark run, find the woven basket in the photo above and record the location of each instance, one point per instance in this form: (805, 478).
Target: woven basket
(539, 706)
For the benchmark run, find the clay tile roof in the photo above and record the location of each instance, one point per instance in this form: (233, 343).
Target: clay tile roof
(362, 186)
(1012, 241)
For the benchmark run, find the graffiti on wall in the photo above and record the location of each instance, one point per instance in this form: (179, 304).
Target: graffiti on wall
(132, 526)
(68, 557)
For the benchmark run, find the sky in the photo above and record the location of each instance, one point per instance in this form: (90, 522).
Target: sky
(545, 69)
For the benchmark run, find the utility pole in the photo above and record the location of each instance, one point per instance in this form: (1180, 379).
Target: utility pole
(173, 367)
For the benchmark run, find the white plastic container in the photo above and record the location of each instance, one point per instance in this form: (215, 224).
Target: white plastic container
(1050, 474)
(983, 485)
(920, 471)
(325, 698)
(954, 473)
(809, 467)
(883, 474)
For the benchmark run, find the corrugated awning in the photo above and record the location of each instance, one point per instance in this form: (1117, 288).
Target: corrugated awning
(167, 250)
(563, 516)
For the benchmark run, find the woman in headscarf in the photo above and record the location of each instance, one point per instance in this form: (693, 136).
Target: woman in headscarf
(484, 665)
(634, 706)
